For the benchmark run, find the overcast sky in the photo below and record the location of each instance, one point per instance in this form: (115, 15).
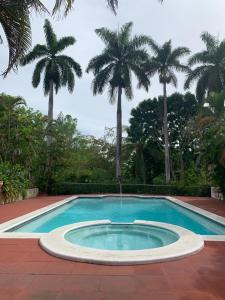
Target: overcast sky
(180, 20)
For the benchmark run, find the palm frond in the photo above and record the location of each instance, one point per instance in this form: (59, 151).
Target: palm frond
(173, 78)
(178, 53)
(210, 41)
(65, 5)
(180, 67)
(200, 57)
(112, 92)
(70, 81)
(140, 40)
(98, 62)
(124, 33)
(142, 77)
(107, 36)
(101, 80)
(64, 42)
(154, 46)
(71, 63)
(36, 5)
(113, 4)
(194, 75)
(38, 71)
(201, 88)
(37, 52)
(68, 78)
(16, 26)
(50, 36)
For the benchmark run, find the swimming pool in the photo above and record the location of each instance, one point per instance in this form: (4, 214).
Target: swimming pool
(125, 210)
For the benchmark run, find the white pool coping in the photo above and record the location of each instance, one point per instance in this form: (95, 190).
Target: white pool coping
(55, 244)
(27, 217)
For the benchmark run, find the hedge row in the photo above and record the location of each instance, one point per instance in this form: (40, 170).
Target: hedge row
(69, 188)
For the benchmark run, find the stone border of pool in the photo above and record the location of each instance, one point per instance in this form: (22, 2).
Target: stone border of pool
(55, 244)
(35, 214)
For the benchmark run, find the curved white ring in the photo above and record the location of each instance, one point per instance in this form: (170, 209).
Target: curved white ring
(55, 244)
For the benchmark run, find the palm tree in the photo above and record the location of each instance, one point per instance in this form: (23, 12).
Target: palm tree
(58, 69)
(122, 56)
(164, 63)
(210, 72)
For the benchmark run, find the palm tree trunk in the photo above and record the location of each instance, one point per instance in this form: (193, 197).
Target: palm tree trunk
(166, 138)
(50, 103)
(119, 135)
(50, 110)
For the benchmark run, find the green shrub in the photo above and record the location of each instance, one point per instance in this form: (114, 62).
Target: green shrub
(14, 180)
(69, 188)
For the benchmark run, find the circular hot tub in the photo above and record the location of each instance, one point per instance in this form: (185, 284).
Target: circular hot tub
(104, 242)
(121, 237)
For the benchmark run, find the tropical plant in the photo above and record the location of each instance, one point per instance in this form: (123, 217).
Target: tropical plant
(122, 56)
(165, 62)
(15, 22)
(211, 127)
(210, 70)
(8, 106)
(14, 181)
(59, 69)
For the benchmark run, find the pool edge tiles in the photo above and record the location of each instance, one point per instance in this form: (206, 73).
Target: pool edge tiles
(17, 222)
(55, 244)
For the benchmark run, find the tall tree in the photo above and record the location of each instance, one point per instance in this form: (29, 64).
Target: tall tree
(165, 62)
(122, 56)
(210, 70)
(146, 124)
(60, 70)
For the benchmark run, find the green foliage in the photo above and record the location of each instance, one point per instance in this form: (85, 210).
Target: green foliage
(15, 21)
(146, 124)
(69, 188)
(15, 181)
(165, 61)
(210, 70)
(158, 180)
(212, 138)
(58, 69)
(122, 56)
(22, 134)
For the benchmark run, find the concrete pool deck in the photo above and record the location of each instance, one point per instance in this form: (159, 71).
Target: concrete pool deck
(27, 272)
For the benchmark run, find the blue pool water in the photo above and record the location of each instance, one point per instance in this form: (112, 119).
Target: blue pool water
(121, 237)
(127, 210)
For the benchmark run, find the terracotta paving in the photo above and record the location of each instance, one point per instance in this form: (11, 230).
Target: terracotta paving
(27, 272)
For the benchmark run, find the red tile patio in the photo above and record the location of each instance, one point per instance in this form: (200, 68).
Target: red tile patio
(27, 272)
